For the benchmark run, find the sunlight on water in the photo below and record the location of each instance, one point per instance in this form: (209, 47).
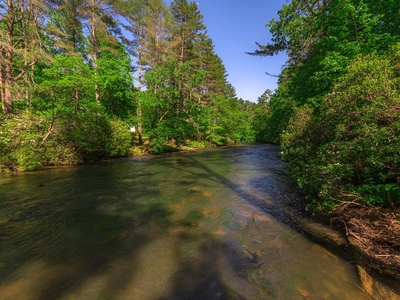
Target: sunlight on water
(178, 226)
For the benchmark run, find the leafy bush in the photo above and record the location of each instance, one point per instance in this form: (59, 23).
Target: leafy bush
(29, 142)
(348, 151)
(19, 142)
(197, 144)
(120, 141)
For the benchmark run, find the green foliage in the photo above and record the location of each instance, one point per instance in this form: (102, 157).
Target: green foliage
(29, 142)
(75, 98)
(28, 159)
(272, 118)
(379, 194)
(90, 135)
(348, 28)
(66, 87)
(173, 112)
(26, 146)
(260, 123)
(196, 144)
(68, 125)
(246, 111)
(336, 110)
(187, 30)
(349, 151)
(226, 122)
(116, 82)
(170, 111)
(19, 140)
(119, 142)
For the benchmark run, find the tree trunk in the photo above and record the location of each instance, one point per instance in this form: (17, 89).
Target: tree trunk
(95, 50)
(7, 76)
(3, 90)
(139, 108)
(19, 23)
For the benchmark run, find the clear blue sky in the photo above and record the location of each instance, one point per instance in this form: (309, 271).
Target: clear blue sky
(235, 26)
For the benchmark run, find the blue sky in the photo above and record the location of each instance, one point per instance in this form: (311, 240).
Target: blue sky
(235, 26)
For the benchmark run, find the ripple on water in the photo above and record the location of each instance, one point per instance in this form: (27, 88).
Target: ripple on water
(180, 226)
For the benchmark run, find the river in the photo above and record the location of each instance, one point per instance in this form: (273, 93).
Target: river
(189, 225)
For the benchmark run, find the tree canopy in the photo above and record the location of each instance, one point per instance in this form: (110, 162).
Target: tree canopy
(77, 74)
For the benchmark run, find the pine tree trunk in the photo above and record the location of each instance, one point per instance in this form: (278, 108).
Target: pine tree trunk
(95, 51)
(139, 108)
(8, 81)
(7, 76)
(3, 90)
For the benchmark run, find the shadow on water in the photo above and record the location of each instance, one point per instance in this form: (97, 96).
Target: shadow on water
(83, 221)
(222, 268)
(80, 222)
(219, 259)
(116, 226)
(210, 275)
(272, 180)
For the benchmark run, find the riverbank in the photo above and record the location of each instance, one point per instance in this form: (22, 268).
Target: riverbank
(146, 149)
(367, 236)
(374, 234)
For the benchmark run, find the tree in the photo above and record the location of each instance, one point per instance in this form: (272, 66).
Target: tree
(217, 83)
(66, 76)
(187, 29)
(265, 97)
(115, 82)
(337, 99)
(321, 39)
(230, 91)
(156, 44)
(65, 27)
(228, 122)
(296, 31)
(20, 46)
(134, 12)
(99, 14)
(169, 109)
(348, 152)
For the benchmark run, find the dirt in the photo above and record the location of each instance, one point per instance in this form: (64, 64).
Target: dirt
(374, 234)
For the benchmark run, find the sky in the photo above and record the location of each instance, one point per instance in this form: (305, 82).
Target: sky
(235, 26)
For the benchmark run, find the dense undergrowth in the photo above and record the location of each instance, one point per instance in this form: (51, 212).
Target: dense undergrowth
(349, 150)
(29, 141)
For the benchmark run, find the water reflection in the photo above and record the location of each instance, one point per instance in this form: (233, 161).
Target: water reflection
(180, 226)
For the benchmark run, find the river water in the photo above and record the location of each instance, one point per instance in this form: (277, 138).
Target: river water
(195, 225)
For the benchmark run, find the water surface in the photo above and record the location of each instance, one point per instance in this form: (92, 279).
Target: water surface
(196, 225)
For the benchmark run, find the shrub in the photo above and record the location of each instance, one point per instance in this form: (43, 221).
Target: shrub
(348, 151)
(120, 141)
(20, 139)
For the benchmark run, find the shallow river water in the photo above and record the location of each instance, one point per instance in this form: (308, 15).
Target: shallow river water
(195, 225)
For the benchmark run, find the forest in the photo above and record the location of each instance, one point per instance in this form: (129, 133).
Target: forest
(77, 74)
